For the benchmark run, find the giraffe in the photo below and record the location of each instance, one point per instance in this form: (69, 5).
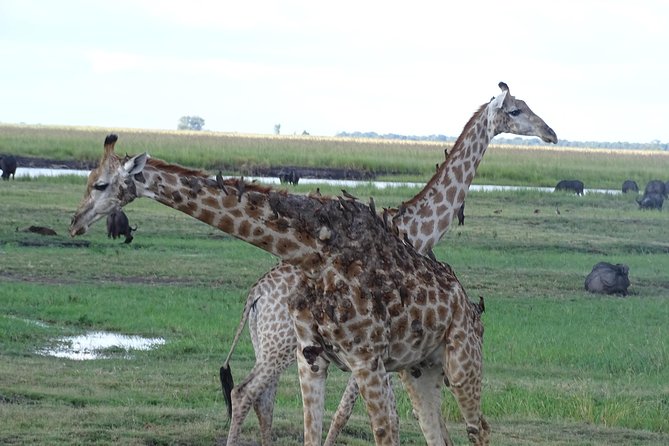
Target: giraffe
(372, 303)
(423, 220)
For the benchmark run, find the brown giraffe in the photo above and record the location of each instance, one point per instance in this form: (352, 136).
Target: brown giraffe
(424, 219)
(372, 304)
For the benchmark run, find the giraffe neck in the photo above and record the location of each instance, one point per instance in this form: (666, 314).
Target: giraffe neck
(427, 216)
(245, 211)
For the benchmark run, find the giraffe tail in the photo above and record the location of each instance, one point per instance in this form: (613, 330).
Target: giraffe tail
(225, 374)
(227, 384)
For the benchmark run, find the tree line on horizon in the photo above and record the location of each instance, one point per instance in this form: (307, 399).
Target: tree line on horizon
(516, 141)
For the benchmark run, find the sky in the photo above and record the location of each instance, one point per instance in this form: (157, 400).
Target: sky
(594, 70)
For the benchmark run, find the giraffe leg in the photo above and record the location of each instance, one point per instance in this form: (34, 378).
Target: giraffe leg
(312, 386)
(256, 390)
(424, 389)
(343, 412)
(264, 409)
(345, 409)
(379, 400)
(273, 355)
(464, 378)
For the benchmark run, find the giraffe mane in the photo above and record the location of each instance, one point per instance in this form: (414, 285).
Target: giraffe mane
(175, 168)
(188, 172)
(456, 147)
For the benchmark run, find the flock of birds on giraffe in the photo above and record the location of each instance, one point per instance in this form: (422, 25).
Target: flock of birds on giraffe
(355, 286)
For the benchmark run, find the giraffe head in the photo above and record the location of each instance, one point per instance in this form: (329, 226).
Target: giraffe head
(507, 114)
(106, 189)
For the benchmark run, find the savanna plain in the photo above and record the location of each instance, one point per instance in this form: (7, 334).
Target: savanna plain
(562, 366)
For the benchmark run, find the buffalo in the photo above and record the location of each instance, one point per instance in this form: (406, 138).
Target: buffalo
(575, 186)
(461, 215)
(651, 201)
(607, 278)
(289, 176)
(630, 186)
(656, 187)
(118, 225)
(8, 166)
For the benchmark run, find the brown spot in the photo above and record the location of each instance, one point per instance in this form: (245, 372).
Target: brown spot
(285, 245)
(427, 228)
(176, 196)
(280, 225)
(425, 211)
(229, 201)
(400, 326)
(211, 202)
(413, 229)
(438, 197)
(395, 310)
(442, 312)
(430, 319)
(207, 216)
(226, 224)
(253, 211)
(245, 229)
(421, 296)
(450, 194)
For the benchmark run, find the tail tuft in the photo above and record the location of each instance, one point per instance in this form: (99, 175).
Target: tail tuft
(227, 384)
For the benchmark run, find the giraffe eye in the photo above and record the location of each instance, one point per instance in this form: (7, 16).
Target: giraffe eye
(100, 186)
(515, 112)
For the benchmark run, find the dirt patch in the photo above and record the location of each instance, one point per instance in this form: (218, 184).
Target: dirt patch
(46, 163)
(329, 173)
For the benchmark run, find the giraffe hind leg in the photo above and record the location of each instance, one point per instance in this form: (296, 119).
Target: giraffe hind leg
(343, 412)
(464, 378)
(424, 388)
(379, 400)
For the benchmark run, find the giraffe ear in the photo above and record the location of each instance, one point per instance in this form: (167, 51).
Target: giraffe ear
(135, 164)
(498, 102)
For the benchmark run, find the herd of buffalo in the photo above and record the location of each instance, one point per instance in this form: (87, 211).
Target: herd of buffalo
(604, 278)
(653, 195)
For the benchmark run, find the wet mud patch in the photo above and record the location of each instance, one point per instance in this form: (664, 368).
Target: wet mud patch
(98, 345)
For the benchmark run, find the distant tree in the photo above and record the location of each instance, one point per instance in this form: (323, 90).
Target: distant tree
(190, 123)
(277, 129)
(305, 133)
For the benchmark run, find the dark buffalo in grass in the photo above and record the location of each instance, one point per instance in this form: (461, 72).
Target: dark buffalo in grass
(630, 186)
(575, 186)
(656, 187)
(8, 166)
(651, 201)
(607, 278)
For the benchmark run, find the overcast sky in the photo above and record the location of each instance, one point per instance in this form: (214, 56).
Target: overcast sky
(593, 69)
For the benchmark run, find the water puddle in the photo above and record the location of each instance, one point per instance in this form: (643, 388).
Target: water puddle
(35, 172)
(99, 345)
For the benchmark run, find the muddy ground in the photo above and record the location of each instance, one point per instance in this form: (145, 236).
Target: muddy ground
(302, 172)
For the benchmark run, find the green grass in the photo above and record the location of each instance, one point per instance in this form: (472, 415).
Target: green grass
(400, 160)
(562, 367)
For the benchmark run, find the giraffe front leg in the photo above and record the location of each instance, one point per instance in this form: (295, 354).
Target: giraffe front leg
(312, 385)
(424, 388)
(379, 399)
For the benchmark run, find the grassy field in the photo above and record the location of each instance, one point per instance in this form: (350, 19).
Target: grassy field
(562, 367)
(543, 165)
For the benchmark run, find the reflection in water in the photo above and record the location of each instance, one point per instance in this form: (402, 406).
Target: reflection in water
(93, 345)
